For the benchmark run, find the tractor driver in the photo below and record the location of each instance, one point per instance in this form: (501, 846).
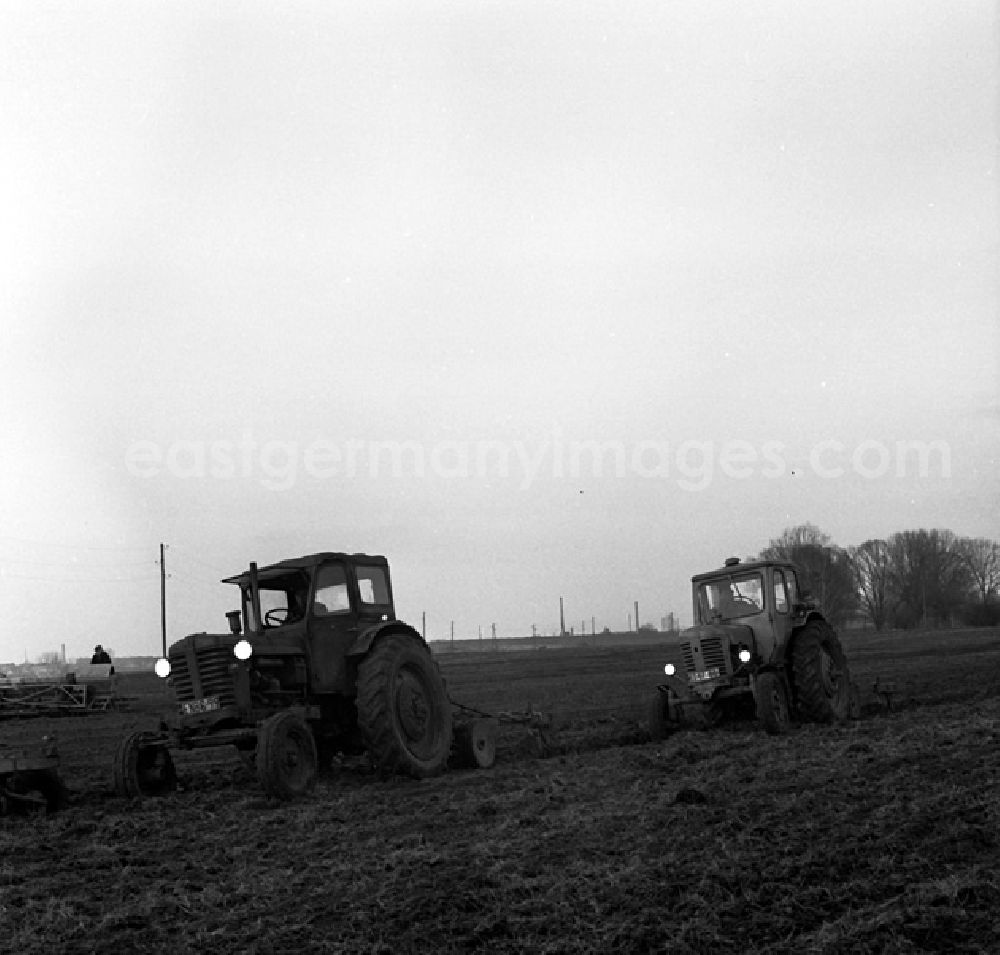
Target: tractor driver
(725, 603)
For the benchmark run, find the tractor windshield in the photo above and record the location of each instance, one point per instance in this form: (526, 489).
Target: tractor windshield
(282, 599)
(741, 595)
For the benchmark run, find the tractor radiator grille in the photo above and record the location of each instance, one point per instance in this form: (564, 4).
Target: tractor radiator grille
(213, 674)
(711, 652)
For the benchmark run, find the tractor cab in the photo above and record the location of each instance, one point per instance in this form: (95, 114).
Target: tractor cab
(760, 599)
(323, 601)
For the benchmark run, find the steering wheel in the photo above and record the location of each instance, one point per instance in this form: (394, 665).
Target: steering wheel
(282, 611)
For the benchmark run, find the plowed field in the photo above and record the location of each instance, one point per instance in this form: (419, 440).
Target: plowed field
(879, 835)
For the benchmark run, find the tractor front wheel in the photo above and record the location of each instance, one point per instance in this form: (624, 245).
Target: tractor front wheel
(286, 756)
(822, 678)
(660, 725)
(143, 766)
(772, 703)
(403, 708)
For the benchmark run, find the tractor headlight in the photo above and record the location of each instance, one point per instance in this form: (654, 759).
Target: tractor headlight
(162, 668)
(242, 650)
(670, 669)
(744, 655)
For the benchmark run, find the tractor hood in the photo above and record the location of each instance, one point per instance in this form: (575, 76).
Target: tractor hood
(270, 643)
(203, 640)
(711, 654)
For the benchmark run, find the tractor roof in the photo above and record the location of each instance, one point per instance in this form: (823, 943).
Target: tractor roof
(733, 566)
(304, 563)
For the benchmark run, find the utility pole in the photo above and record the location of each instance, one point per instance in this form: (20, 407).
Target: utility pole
(163, 599)
(562, 619)
(494, 634)
(637, 616)
(593, 626)
(423, 625)
(453, 631)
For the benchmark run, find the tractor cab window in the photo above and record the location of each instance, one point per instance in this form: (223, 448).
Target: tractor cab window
(331, 590)
(780, 592)
(282, 600)
(373, 584)
(730, 597)
(792, 583)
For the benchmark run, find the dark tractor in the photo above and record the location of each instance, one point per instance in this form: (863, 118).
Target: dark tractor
(760, 646)
(315, 664)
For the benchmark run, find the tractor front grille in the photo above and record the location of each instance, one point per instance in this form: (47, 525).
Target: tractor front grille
(704, 654)
(210, 676)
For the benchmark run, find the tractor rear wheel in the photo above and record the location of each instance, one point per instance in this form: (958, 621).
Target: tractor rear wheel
(822, 678)
(772, 703)
(143, 766)
(286, 756)
(403, 708)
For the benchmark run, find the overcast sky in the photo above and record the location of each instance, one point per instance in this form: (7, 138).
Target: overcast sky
(536, 299)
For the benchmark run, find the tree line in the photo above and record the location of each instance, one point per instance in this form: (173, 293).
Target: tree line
(921, 578)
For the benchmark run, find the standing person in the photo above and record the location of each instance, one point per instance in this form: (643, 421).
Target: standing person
(101, 656)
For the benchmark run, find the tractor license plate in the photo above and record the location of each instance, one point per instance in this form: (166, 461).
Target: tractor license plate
(204, 705)
(702, 675)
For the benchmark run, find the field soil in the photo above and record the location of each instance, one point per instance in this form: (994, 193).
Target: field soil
(875, 835)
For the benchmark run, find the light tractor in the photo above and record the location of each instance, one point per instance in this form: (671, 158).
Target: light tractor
(315, 664)
(760, 645)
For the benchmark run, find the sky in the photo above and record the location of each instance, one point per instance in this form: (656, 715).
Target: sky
(537, 299)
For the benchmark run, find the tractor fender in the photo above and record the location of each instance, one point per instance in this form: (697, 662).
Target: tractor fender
(364, 640)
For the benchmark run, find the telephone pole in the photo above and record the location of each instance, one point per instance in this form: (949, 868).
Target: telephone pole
(163, 599)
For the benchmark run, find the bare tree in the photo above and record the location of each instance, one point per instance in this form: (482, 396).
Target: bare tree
(826, 569)
(871, 563)
(981, 558)
(929, 576)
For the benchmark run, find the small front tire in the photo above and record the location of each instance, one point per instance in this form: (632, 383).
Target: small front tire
(660, 724)
(143, 766)
(772, 703)
(286, 756)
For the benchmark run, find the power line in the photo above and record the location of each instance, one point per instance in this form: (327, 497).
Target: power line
(49, 543)
(4, 575)
(73, 563)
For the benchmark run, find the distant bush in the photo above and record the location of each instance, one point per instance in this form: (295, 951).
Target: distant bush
(982, 615)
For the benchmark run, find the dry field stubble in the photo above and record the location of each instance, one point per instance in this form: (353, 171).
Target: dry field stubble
(875, 836)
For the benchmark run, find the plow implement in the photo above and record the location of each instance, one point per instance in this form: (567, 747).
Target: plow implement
(475, 739)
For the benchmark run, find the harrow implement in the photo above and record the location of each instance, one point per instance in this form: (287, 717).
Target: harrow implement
(29, 779)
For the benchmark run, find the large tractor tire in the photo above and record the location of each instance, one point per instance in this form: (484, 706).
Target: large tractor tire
(772, 703)
(403, 708)
(822, 678)
(286, 756)
(143, 766)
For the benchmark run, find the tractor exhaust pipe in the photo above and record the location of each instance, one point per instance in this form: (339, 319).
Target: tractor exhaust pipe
(258, 627)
